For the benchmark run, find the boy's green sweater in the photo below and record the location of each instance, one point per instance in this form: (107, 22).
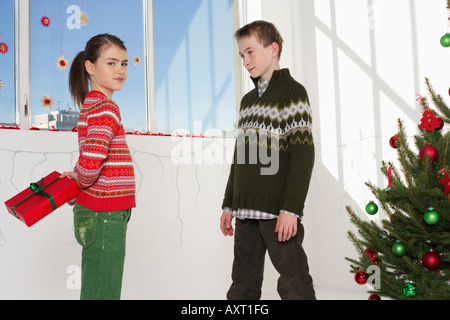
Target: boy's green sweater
(275, 127)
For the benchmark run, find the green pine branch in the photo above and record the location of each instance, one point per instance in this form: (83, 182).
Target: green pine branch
(415, 189)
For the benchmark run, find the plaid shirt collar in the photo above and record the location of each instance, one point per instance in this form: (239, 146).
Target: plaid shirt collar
(262, 86)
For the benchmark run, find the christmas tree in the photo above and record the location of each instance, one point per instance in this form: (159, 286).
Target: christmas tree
(409, 251)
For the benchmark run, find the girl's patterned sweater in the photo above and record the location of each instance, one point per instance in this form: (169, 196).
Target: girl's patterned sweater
(104, 167)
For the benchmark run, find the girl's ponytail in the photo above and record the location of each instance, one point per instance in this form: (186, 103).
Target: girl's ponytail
(78, 79)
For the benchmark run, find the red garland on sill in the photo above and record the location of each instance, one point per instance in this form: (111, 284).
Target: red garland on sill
(148, 133)
(136, 133)
(14, 127)
(160, 134)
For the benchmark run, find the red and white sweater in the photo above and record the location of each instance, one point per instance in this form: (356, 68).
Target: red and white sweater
(104, 167)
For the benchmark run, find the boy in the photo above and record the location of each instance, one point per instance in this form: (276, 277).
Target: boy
(275, 116)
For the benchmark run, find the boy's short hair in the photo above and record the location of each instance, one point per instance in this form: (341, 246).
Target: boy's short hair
(265, 31)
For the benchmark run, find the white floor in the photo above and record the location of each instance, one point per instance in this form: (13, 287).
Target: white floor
(327, 293)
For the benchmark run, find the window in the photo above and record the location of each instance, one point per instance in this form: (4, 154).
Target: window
(7, 52)
(194, 65)
(184, 79)
(59, 30)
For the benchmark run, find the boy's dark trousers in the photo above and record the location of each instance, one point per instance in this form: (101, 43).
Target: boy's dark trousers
(252, 238)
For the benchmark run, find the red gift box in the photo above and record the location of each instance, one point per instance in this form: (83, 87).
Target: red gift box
(42, 197)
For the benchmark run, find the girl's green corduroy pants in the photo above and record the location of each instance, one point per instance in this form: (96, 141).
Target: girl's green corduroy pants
(102, 235)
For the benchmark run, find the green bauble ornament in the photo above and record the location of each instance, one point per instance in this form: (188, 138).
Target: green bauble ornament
(431, 216)
(409, 289)
(445, 40)
(399, 249)
(371, 208)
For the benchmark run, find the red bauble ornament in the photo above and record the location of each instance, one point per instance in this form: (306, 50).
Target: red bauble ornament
(394, 141)
(441, 124)
(431, 260)
(361, 277)
(374, 297)
(371, 253)
(430, 151)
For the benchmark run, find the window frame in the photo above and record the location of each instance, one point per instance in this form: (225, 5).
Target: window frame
(149, 62)
(22, 58)
(241, 16)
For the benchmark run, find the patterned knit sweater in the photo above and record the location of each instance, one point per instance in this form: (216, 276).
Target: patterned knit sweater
(104, 167)
(273, 127)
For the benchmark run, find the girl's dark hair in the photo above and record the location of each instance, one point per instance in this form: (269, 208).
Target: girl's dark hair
(78, 76)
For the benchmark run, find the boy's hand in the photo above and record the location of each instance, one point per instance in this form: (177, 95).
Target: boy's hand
(286, 226)
(225, 223)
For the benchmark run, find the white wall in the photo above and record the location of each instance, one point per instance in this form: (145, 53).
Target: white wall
(362, 63)
(175, 249)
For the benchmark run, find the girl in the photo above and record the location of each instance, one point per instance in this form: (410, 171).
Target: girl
(104, 170)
